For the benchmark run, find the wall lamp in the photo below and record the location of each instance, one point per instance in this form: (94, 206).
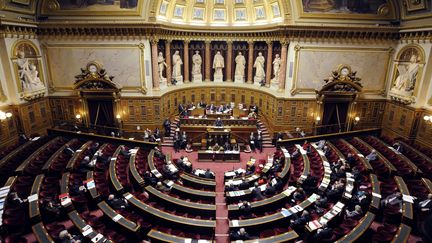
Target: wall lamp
(356, 120)
(317, 120)
(5, 115)
(428, 119)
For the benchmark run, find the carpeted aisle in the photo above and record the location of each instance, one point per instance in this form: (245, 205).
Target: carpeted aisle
(219, 168)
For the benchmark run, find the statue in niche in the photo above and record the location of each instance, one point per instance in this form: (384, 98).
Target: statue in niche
(259, 69)
(407, 75)
(218, 66)
(196, 66)
(177, 63)
(276, 68)
(161, 67)
(240, 61)
(28, 74)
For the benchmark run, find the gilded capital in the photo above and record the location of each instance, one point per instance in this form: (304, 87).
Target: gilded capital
(154, 41)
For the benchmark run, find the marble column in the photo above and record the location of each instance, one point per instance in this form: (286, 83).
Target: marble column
(229, 61)
(207, 61)
(168, 61)
(186, 60)
(269, 62)
(283, 69)
(154, 47)
(250, 63)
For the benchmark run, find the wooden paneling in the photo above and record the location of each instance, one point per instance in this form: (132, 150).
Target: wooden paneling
(290, 114)
(400, 120)
(370, 112)
(424, 134)
(8, 128)
(64, 108)
(35, 116)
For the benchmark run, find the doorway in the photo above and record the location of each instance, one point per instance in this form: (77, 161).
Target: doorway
(335, 117)
(101, 112)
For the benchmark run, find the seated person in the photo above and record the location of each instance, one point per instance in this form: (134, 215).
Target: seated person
(372, 156)
(202, 104)
(245, 208)
(323, 233)
(270, 190)
(394, 199)
(243, 185)
(252, 115)
(216, 147)
(117, 203)
(235, 147)
(158, 153)
(299, 195)
(15, 201)
(149, 178)
(218, 122)
(356, 213)
(320, 144)
(186, 165)
(51, 210)
(161, 187)
(426, 205)
(350, 160)
(336, 189)
(299, 222)
(256, 192)
(188, 148)
(398, 147)
(65, 237)
(67, 150)
(211, 107)
(240, 234)
(209, 174)
(227, 146)
(221, 109)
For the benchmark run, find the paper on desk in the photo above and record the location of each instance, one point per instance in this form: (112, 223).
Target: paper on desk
(117, 217)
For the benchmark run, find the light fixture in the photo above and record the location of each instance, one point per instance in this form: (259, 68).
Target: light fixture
(317, 119)
(428, 119)
(118, 116)
(356, 120)
(5, 115)
(78, 116)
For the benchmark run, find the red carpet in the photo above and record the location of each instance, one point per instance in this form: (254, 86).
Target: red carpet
(219, 168)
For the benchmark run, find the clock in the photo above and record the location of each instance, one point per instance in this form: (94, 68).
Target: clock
(344, 71)
(92, 68)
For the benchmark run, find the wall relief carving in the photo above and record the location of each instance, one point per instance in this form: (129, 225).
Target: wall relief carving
(95, 77)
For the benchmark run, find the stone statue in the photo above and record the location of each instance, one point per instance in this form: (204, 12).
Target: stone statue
(177, 64)
(240, 61)
(161, 67)
(407, 75)
(276, 68)
(218, 64)
(28, 74)
(259, 69)
(197, 61)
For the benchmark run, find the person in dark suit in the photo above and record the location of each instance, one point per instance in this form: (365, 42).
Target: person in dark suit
(426, 205)
(252, 141)
(241, 234)
(243, 185)
(167, 127)
(256, 192)
(351, 161)
(209, 174)
(211, 107)
(182, 110)
(67, 150)
(117, 203)
(218, 122)
(270, 190)
(323, 233)
(245, 208)
(258, 142)
(149, 179)
(299, 222)
(202, 104)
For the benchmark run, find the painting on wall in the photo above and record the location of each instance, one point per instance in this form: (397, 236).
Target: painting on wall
(90, 7)
(407, 74)
(376, 7)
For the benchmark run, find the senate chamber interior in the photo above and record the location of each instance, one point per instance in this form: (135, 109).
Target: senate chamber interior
(215, 121)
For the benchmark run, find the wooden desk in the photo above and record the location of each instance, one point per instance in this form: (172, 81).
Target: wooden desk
(359, 230)
(78, 221)
(71, 164)
(306, 164)
(265, 221)
(402, 234)
(197, 182)
(53, 157)
(41, 233)
(425, 157)
(386, 162)
(276, 201)
(93, 191)
(193, 193)
(285, 237)
(400, 155)
(407, 207)
(113, 173)
(207, 155)
(183, 222)
(133, 169)
(24, 164)
(365, 163)
(123, 222)
(196, 208)
(34, 212)
(376, 192)
(164, 237)
(287, 165)
(16, 151)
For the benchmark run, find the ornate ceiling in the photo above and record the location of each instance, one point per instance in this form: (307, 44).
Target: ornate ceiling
(221, 12)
